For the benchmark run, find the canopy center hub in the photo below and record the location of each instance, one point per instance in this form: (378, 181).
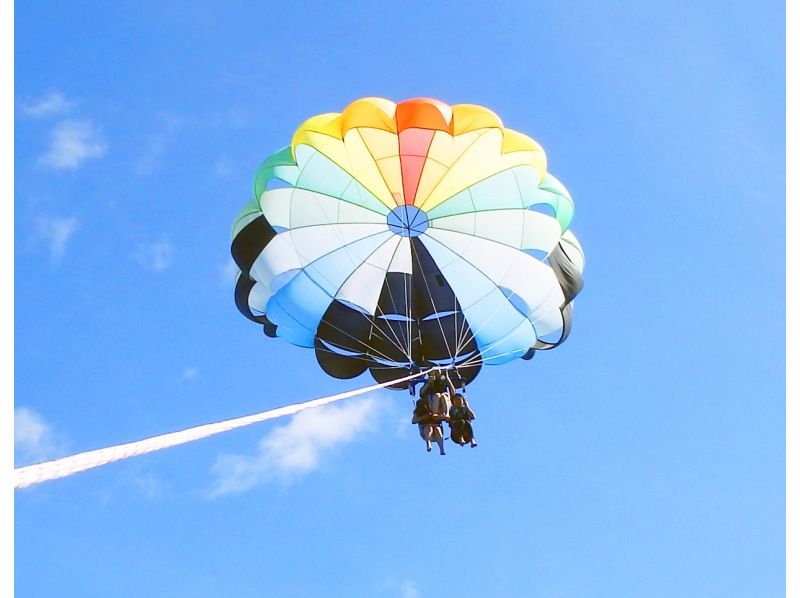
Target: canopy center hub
(407, 221)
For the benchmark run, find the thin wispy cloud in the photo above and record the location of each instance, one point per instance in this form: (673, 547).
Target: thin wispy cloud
(156, 256)
(56, 233)
(72, 143)
(404, 427)
(34, 438)
(149, 486)
(232, 118)
(409, 589)
(188, 374)
(51, 104)
(296, 448)
(228, 272)
(156, 146)
(223, 167)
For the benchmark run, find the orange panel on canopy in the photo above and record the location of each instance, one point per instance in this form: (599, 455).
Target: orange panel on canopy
(424, 113)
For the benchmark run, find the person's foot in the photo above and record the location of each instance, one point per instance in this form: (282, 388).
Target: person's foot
(428, 446)
(473, 444)
(441, 452)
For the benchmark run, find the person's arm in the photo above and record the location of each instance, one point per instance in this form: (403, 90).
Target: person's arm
(470, 412)
(421, 416)
(450, 387)
(426, 386)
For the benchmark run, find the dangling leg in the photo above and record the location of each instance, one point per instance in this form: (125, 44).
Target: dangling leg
(464, 432)
(455, 433)
(469, 435)
(425, 433)
(438, 437)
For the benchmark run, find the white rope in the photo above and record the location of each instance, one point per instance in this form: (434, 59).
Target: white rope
(59, 468)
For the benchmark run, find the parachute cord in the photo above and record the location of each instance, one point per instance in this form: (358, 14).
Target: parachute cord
(478, 358)
(450, 353)
(59, 468)
(367, 346)
(396, 345)
(408, 294)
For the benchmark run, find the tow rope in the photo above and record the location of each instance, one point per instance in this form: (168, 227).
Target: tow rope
(66, 466)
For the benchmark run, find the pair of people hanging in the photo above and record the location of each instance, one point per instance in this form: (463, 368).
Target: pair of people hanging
(440, 402)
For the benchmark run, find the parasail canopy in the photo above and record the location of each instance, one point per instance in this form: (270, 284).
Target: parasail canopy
(393, 236)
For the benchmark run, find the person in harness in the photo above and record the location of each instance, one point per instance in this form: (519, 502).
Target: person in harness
(432, 408)
(460, 418)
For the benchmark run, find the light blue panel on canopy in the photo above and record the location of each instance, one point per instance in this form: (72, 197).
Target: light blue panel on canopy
(460, 203)
(299, 304)
(500, 190)
(549, 191)
(495, 318)
(509, 347)
(332, 270)
(299, 336)
(303, 301)
(488, 312)
(288, 327)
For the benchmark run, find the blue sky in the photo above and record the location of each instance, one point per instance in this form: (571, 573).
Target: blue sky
(644, 457)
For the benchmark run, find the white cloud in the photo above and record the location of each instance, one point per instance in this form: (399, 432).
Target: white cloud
(189, 374)
(409, 589)
(232, 118)
(51, 104)
(72, 142)
(228, 272)
(34, 438)
(150, 486)
(56, 233)
(404, 426)
(404, 589)
(223, 167)
(157, 255)
(297, 447)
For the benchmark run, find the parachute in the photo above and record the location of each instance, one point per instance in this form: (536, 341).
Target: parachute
(398, 237)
